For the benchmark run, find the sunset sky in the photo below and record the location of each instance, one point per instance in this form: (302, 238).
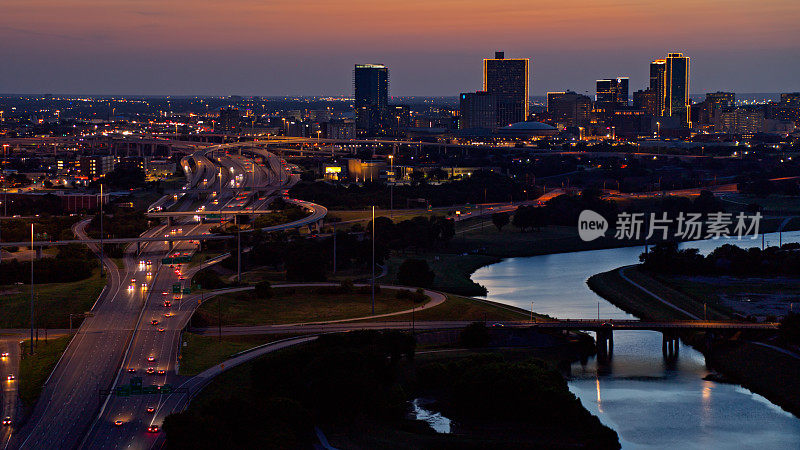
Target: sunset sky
(432, 47)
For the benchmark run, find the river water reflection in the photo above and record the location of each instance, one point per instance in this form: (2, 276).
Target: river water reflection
(649, 403)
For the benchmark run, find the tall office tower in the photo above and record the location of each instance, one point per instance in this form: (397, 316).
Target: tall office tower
(371, 86)
(477, 110)
(658, 85)
(669, 78)
(508, 80)
(612, 93)
(677, 102)
(569, 108)
(229, 119)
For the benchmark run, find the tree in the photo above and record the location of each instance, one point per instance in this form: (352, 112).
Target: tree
(415, 272)
(500, 220)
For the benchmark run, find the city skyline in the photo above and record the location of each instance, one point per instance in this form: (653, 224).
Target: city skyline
(246, 48)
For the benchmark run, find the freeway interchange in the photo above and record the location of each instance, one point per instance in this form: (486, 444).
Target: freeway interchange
(131, 334)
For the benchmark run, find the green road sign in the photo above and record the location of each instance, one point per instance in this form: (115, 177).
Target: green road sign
(186, 291)
(176, 288)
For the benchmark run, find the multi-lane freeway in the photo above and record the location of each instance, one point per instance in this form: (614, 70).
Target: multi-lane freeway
(131, 333)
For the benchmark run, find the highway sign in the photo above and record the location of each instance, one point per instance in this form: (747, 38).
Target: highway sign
(176, 288)
(186, 291)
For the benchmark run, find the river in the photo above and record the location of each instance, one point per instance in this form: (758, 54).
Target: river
(649, 403)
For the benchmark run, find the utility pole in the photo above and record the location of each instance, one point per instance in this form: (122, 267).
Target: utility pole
(33, 257)
(334, 247)
(373, 260)
(531, 312)
(219, 317)
(101, 230)
(239, 259)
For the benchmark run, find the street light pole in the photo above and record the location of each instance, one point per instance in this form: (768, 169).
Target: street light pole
(33, 257)
(101, 230)
(334, 247)
(239, 259)
(373, 260)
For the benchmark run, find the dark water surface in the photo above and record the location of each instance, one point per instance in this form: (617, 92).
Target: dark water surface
(650, 403)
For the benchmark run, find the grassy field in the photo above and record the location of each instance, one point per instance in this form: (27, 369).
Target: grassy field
(452, 271)
(396, 215)
(53, 302)
(34, 369)
(294, 305)
(464, 308)
(202, 352)
(611, 286)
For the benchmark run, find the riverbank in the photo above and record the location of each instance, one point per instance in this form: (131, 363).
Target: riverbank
(762, 369)
(358, 389)
(479, 243)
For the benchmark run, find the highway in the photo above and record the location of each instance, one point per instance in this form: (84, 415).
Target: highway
(9, 365)
(69, 397)
(158, 342)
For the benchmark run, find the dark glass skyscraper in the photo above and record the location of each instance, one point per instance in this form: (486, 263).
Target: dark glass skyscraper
(669, 80)
(508, 80)
(371, 86)
(612, 93)
(677, 82)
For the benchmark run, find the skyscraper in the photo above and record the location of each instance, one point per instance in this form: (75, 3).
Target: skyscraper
(508, 80)
(669, 79)
(612, 93)
(371, 86)
(569, 108)
(677, 82)
(477, 110)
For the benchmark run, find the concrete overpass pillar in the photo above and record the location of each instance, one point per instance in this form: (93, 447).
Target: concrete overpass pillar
(605, 344)
(138, 248)
(171, 245)
(39, 253)
(669, 346)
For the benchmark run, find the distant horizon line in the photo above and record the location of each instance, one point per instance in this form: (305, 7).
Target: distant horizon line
(308, 96)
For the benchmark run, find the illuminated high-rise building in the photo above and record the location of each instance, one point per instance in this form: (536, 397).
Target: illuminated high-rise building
(371, 86)
(612, 93)
(508, 81)
(669, 79)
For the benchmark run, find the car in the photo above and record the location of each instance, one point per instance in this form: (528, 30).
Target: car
(133, 280)
(152, 429)
(130, 287)
(165, 293)
(162, 371)
(151, 358)
(118, 422)
(11, 377)
(4, 355)
(497, 325)
(7, 421)
(149, 274)
(131, 370)
(167, 303)
(149, 263)
(151, 409)
(154, 322)
(181, 278)
(144, 285)
(150, 371)
(169, 314)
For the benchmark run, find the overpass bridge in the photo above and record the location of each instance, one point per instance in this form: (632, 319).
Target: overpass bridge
(604, 330)
(171, 239)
